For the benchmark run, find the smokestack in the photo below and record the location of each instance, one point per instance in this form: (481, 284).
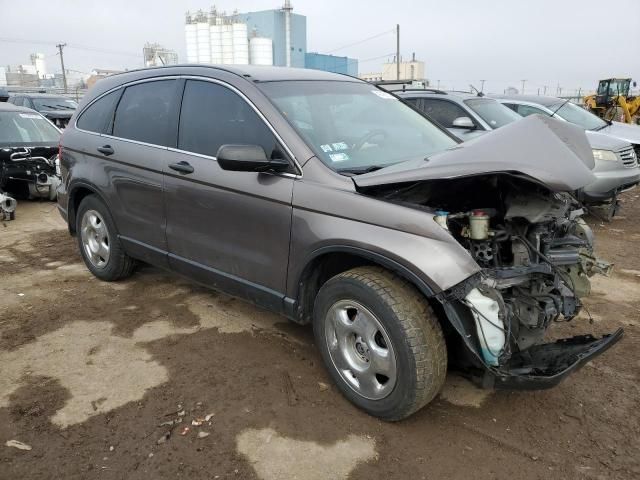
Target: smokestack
(287, 8)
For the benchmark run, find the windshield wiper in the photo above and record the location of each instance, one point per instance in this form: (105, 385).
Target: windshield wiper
(50, 106)
(66, 106)
(597, 129)
(361, 170)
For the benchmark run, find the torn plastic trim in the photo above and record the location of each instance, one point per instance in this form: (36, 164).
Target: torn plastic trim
(537, 368)
(546, 365)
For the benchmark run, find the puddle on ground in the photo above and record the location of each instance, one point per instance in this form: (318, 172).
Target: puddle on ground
(276, 457)
(103, 371)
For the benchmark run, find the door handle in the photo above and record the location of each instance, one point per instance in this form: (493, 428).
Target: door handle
(182, 167)
(106, 150)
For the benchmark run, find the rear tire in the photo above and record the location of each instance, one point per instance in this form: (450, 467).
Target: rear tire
(380, 341)
(98, 241)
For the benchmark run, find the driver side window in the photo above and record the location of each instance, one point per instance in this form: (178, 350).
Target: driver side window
(213, 115)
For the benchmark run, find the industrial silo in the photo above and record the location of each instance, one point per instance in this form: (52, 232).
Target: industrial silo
(191, 37)
(261, 51)
(240, 43)
(226, 38)
(204, 49)
(216, 43)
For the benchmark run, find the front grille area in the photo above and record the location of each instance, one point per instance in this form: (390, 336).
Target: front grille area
(628, 157)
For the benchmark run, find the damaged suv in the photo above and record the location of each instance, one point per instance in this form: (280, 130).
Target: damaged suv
(330, 201)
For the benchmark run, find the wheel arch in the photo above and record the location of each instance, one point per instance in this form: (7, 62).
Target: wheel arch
(77, 193)
(327, 262)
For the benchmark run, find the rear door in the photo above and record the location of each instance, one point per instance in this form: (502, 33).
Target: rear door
(132, 157)
(227, 229)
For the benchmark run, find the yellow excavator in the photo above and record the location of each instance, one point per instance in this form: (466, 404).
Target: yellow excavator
(612, 101)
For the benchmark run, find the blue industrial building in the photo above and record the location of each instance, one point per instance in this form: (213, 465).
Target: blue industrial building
(271, 24)
(331, 63)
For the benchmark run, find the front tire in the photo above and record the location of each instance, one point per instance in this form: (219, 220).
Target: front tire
(380, 341)
(98, 241)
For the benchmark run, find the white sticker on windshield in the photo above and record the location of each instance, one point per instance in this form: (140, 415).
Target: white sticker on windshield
(339, 146)
(338, 157)
(382, 94)
(326, 148)
(29, 115)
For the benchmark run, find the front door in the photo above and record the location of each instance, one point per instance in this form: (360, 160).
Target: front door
(227, 229)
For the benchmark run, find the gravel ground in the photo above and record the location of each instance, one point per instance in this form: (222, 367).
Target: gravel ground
(155, 377)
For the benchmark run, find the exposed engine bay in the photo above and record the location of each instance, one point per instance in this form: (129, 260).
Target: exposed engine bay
(29, 172)
(536, 255)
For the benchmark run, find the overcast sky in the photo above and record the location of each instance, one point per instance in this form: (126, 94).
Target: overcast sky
(545, 42)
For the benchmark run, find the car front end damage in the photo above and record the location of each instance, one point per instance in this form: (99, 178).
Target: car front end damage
(30, 172)
(523, 227)
(537, 258)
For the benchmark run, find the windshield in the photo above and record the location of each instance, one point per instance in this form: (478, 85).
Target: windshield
(354, 126)
(54, 103)
(20, 128)
(492, 112)
(575, 114)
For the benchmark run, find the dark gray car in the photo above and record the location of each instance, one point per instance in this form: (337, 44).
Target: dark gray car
(332, 202)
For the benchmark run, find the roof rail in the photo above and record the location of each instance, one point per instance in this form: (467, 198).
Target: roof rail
(405, 86)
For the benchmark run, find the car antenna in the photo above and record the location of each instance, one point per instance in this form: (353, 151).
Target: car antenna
(478, 92)
(556, 110)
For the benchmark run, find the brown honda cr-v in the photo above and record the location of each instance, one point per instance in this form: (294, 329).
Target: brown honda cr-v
(332, 202)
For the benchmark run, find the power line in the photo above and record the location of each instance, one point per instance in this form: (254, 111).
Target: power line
(70, 45)
(356, 61)
(363, 40)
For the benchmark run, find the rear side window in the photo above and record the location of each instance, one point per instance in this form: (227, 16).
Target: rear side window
(442, 111)
(213, 115)
(143, 112)
(94, 118)
(16, 100)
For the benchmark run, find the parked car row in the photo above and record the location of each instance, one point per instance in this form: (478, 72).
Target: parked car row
(335, 203)
(56, 108)
(615, 145)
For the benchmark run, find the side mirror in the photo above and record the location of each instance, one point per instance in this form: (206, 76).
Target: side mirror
(464, 122)
(248, 158)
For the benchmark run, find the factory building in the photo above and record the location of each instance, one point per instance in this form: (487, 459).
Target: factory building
(412, 70)
(273, 24)
(267, 37)
(155, 55)
(332, 63)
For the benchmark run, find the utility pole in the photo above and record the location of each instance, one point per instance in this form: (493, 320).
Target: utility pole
(523, 82)
(482, 86)
(438, 84)
(64, 73)
(544, 90)
(398, 52)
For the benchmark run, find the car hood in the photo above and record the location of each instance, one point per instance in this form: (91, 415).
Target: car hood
(624, 131)
(550, 151)
(606, 142)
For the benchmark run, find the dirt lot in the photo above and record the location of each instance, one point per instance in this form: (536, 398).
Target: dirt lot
(90, 372)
